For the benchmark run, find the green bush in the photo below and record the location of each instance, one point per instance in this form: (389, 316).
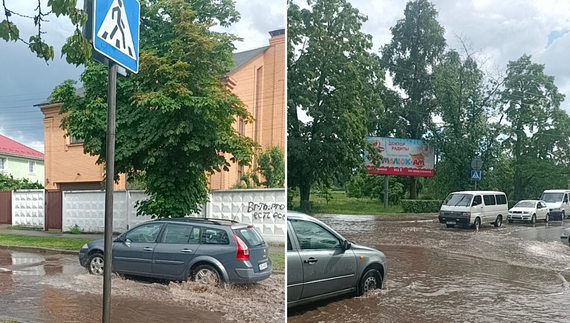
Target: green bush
(421, 206)
(512, 204)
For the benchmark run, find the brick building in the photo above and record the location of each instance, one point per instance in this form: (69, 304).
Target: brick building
(257, 78)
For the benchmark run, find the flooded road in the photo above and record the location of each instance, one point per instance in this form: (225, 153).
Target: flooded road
(39, 287)
(516, 273)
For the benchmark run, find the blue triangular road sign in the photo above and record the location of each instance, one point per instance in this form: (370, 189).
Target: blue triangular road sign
(475, 175)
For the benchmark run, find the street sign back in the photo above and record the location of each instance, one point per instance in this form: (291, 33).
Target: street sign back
(477, 163)
(116, 31)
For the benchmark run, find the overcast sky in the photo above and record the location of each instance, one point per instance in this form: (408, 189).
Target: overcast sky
(26, 80)
(499, 31)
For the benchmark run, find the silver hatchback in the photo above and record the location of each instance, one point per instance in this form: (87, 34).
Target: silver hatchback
(322, 264)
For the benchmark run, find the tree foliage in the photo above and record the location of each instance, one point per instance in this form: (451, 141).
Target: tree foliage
(416, 47)
(76, 49)
(174, 118)
(334, 80)
(9, 183)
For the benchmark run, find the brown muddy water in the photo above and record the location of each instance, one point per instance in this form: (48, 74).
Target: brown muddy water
(516, 273)
(55, 288)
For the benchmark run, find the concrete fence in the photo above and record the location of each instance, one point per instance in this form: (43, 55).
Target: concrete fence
(265, 209)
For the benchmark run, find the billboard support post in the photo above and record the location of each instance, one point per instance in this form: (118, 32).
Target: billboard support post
(386, 191)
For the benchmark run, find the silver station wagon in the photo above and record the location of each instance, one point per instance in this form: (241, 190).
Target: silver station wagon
(210, 251)
(322, 264)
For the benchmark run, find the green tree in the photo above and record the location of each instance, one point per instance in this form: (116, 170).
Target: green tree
(9, 183)
(333, 79)
(415, 49)
(76, 49)
(532, 109)
(458, 90)
(174, 118)
(271, 166)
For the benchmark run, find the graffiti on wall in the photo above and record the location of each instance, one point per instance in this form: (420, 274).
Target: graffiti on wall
(263, 210)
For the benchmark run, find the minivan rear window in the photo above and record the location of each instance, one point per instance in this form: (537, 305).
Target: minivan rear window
(250, 234)
(489, 199)
(501, 199)
(458, 199)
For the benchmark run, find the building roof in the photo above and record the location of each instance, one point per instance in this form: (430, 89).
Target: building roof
(242, 57)
(11, 147)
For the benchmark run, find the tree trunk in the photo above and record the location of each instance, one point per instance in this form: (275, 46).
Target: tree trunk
(305, 192)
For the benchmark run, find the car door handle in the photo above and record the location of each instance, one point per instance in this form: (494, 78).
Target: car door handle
(186, 250)
(310, 261)
(147, 249)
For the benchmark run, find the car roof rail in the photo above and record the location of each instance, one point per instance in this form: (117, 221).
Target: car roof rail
(195, 219)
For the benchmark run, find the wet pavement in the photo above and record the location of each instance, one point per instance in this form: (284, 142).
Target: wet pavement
(44, 287)
(516, 273)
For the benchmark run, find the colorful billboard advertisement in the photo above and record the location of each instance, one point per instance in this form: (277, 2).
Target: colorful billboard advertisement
(405, 157)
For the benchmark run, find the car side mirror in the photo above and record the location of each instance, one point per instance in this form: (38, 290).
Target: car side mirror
(475, 203)
(345, 245)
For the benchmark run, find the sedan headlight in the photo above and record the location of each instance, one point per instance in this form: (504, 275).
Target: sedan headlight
(525, 212)
(84, 246)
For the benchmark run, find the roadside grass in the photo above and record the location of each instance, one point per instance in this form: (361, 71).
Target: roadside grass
(341, 204)
(45, 242)
(278, 260)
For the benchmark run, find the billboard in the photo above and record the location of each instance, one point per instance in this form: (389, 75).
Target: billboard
(405, 157)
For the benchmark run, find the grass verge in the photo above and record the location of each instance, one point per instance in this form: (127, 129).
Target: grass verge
(45, 242)
(278, 260)
(341, 204)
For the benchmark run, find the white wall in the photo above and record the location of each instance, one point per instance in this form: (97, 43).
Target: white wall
(263, 208)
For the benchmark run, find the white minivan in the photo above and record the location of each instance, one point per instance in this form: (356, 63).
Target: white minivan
(471, 208)
(557, 203)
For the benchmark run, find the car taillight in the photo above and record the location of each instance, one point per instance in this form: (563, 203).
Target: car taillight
(242, 249)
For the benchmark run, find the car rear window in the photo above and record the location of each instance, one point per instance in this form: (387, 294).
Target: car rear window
(214, 236)
(250, 234)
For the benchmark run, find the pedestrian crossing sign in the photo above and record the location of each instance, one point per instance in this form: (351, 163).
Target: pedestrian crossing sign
(475, 175)
(116, 31)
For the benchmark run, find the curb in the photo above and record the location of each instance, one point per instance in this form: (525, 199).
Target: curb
(40, 249)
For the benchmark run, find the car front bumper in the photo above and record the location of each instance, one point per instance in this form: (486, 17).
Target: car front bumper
(83, 257)
(455, 219)
(519, 217)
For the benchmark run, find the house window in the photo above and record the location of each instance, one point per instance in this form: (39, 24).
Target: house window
(31, 167)
(75, 140)
(2, 164)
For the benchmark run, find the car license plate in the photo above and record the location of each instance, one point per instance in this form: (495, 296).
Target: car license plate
(450, 222)
(263, 266)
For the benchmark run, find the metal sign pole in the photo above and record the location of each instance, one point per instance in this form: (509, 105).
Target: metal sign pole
(386, 190)
(109, 181)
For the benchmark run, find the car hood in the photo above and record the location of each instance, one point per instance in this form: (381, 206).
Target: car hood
(522, 209)
(96, 244)
(553, 204)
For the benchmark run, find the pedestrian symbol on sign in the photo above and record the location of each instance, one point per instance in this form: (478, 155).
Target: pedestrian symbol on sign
(475, 175)
(116, 21)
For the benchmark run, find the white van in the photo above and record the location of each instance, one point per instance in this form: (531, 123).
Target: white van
(557, 203)
(471, 208)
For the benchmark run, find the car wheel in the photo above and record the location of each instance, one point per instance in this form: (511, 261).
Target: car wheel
(498, 221)
(562, 215)
(533, 219)
(370, 281)
(449, 225)
(568, 241)
(96, 264)
(206, 274)
(477, 224)
(547, 217)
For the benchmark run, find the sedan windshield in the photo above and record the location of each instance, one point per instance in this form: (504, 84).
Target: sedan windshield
(552, 197)
(525, 204)
(458, 200)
